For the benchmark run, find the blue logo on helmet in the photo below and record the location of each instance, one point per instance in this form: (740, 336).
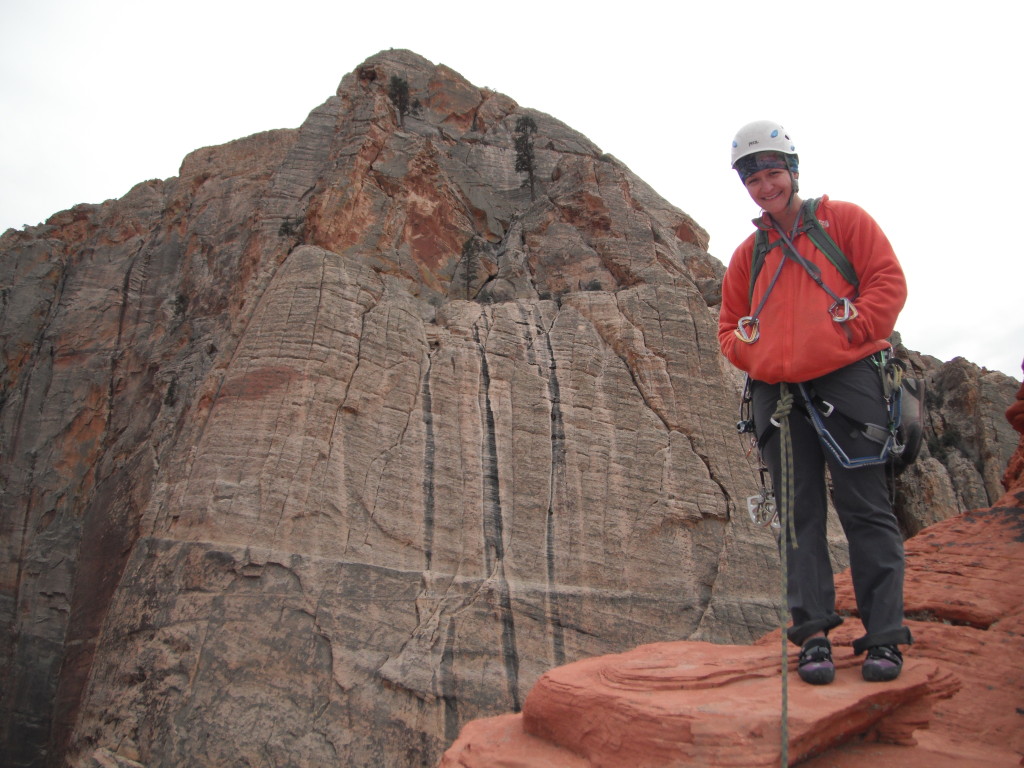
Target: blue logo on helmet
(775, 133)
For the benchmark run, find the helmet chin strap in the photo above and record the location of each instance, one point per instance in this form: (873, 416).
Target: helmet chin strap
(790, 201)
(794, 188)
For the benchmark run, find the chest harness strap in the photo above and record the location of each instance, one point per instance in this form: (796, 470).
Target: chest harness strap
(841, 310)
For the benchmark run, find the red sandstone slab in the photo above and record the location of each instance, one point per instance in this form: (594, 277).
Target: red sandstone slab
(501, 742)
(965, 569)
(715, 705)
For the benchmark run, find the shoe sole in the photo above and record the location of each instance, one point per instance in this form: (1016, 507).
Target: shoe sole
(876, 673)
(817, 675)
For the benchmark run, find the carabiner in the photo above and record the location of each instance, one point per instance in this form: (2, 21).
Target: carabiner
(747, 337)
(761, 508)
(842, 310)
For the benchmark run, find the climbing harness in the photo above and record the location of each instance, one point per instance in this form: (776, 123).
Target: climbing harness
(899, 439)
(885, 436)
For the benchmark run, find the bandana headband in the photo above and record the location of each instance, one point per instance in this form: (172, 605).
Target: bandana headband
(759, 161)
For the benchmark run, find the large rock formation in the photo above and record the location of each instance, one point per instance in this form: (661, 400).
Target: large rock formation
(345, 435)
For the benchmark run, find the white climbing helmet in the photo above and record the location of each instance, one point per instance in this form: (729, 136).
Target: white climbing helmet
(761, 136)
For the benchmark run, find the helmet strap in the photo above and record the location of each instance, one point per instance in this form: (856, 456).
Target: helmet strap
(789, 207)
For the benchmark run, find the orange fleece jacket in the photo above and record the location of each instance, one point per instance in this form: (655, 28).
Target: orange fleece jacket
(799, 340)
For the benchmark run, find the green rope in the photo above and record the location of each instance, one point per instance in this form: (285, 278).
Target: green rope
(787, 533)
(781, 417)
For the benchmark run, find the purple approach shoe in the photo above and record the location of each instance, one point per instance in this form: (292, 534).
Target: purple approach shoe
(815, 665)
(883, 664)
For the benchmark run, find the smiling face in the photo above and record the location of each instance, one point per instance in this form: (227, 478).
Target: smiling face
(772, 190)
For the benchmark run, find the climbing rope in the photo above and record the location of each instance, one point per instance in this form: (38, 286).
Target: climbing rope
(787, 531)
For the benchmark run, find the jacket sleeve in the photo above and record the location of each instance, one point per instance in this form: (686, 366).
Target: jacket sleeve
(735, 303)
(883, 287)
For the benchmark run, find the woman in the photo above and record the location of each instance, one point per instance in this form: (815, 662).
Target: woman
(802, 327)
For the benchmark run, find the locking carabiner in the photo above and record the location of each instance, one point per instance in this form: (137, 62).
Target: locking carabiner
(742, 332)
(842, 310)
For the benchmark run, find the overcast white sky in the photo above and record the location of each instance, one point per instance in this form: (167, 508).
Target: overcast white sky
(903, 107)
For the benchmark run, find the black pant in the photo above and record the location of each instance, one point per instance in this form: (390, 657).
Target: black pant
(861, 497)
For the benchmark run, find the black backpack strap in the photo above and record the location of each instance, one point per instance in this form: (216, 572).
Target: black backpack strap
(757, 261)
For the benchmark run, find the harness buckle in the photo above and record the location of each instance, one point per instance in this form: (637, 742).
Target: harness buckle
(745, 335)
(842, 310)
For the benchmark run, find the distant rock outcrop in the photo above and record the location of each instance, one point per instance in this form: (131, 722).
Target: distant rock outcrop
(345, 435)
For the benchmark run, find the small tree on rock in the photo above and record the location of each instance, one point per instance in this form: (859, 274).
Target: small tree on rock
(398, 92)
(470, 262)
(525, 160)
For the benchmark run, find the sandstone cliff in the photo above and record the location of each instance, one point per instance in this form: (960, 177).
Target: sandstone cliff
(345, 435)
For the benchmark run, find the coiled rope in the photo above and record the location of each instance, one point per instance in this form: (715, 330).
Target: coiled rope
(787, 533)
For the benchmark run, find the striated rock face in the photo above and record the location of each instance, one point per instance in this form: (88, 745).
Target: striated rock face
(1013, 478)
(345, 435)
